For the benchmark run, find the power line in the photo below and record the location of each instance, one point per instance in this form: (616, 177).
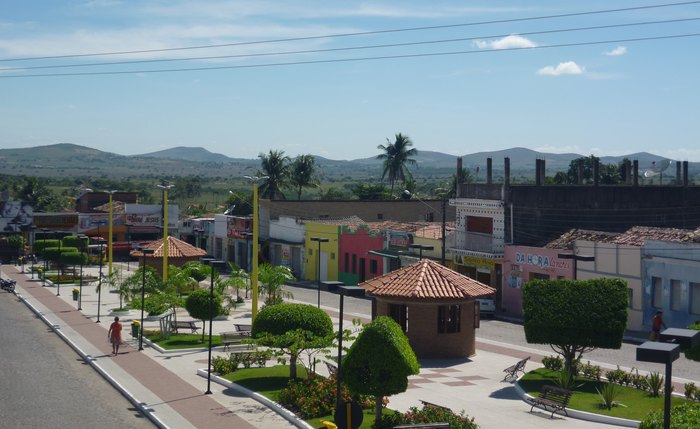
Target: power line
(352, 48)
(343, 60)
(363, 33)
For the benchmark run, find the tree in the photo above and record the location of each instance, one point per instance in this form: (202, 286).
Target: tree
(293, 328)
(333, 193)
(379, 361)
(371, 191)
(271, 281)
(274, 165)
(197, 305)
(575, 316)
(302, 173)
(396, 156)
(186, 187)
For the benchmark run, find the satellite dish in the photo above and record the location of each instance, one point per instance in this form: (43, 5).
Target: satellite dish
(657, 168)
(229, 210)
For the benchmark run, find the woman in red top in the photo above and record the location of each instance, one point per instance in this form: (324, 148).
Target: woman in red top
(115, 335)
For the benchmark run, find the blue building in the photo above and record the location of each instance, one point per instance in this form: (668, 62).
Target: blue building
(671, 278)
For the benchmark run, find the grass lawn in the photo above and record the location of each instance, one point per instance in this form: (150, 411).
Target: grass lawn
(183, 341)
(269, 381)
(637, 403)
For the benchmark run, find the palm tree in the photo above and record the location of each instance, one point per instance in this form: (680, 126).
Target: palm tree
(303, 173)
(396, 156)
(274, 165)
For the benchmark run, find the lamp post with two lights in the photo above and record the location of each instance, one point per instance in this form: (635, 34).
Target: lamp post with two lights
(82, 239)
(165, 188)
(99, 280)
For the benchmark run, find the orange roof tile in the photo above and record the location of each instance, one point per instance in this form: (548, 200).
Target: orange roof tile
(637, 235)
(566, 240)
(426, 279)
(176, 249)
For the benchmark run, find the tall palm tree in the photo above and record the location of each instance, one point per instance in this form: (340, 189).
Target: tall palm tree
(396, 156)
(303, 173)
(274, 165)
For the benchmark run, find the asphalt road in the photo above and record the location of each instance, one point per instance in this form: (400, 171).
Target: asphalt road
(45, 384)
(513, 334)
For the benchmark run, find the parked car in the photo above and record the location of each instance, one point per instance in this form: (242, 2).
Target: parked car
(487, 306)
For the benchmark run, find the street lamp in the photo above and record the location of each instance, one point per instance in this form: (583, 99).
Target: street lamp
(128, 226)
(255, 180)
(145, 251)
(43, 251)
(671, 341)
(421, 248)
(212, 263)
(58, 279)
(99, 282)
(109, 239)
(319, 240)
(165, 189)
(342, 290)
(409, 194)
(82, 239)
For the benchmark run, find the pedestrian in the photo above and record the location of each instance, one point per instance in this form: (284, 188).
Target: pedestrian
(114, 335)
(657, 322)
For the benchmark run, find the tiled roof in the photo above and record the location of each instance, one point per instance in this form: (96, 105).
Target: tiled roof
(636, 235)
(434, 230)
(176, 249)
(566, 240)
(117, 207)
(692, 237)
(426, 279)
(353, 221)
(397, 226)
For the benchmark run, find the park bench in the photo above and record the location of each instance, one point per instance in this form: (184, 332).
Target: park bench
(229, 339)
(184, 324)
(243, 329)
(332, 369)
(552, 398)
(513, 370)
(430, 404)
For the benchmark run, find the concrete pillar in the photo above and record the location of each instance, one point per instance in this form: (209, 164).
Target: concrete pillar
(635, 172)
(489, 171)
(506, 170)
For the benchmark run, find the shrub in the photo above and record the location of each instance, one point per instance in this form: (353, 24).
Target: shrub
(315, 397)
(690, 390)
(554, 363)
(682, 416)
(607, 394)
(656, 382)
(225, 365)
(615, 375)
(427, 414)
(592, 372)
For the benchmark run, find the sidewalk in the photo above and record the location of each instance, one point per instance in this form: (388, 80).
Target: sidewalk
(168, 389)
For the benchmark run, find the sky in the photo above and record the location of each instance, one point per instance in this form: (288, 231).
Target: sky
(339, 78)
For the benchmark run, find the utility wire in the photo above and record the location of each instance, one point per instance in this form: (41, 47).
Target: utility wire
(343, 60)
(363, 33)
(352, 48)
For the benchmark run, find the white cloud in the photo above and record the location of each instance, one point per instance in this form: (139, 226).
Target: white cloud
(508, 42)
(569, 67)
(618, 51)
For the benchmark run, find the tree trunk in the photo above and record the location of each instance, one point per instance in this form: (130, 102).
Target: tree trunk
(378, 408)
(293, 367)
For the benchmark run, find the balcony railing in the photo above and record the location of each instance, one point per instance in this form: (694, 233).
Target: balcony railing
(477, 242)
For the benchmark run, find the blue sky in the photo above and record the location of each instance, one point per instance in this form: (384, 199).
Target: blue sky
(493, 86)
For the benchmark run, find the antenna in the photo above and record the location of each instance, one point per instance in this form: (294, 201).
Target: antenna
(658, 168)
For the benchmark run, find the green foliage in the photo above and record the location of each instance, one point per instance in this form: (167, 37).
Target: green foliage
(427, 414)
(656, 383)
(271, 279)
(608, 393)
(371, 191)
(274, 165)
(197, 270)
(694, 353)
(690, 390)
(380, 361)
(592, 372)
(315, 397)
(75, 241)
(396, 157)
(682, 416)
(555, 363)
(302, 173)
(226, 365)
(197, 304)
(575, 316)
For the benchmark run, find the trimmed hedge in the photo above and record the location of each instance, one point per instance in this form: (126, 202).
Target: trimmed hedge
(282, 318)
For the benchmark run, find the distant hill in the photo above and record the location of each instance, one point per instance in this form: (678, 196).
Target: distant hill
(70, 160)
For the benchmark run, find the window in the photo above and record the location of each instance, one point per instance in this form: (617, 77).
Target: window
(354, 264)
(380, 216)
(657, 292)
(311, 251)
(430, 217)
(675, 295)
(448, 319)
(373, 266)
(346, 262)
(399, 312)
(695, 298)
(332, 256)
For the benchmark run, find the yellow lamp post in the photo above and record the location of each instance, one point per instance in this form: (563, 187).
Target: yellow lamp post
(254, 273)
(165, 189)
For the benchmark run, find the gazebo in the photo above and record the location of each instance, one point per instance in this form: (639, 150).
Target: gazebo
(179, 252)
(434, 305)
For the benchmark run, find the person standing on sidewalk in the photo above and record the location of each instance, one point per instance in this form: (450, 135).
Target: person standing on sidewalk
(657, 322)
(115, 335)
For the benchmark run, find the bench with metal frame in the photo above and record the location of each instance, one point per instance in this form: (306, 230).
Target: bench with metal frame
(184, 324)
(243, 329)
(513, 370)
(553, 399)
(430, 404)
(231, 338)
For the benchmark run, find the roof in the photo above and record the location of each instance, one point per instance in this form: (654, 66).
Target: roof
(426, 279)
(434, 230)
(637, 235)
(353, 221)
(397, 226)
(693, 237)
(176, 249)
(117, 207)
(566, 240)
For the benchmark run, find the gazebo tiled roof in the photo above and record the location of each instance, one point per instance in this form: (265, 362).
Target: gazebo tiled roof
(426, 279)
(176, 249)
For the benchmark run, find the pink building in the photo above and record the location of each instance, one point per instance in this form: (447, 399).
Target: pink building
(524, 263)
(356, 264)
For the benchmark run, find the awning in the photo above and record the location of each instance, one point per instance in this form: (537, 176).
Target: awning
(385, 253)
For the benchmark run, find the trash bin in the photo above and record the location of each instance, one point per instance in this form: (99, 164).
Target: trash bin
(76, 294)
(135, 330)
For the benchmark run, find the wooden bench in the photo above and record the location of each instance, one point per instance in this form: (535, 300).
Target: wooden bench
(552, 398)
(184, 324)
(430, 404)
(332, 369)
(229, 339)
(513, 370)
(424, 425)
(243, 329)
